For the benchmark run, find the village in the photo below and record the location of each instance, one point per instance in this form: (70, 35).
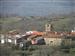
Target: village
(47, 37)
(37, 27)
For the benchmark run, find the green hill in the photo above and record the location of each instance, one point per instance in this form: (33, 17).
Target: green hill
(66, 23)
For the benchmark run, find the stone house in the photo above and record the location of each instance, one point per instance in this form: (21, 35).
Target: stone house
(53, 39)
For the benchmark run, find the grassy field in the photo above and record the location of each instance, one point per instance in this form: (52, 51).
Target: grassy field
(35, 50)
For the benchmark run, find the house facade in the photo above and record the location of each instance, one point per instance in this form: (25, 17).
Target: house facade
(53, 39)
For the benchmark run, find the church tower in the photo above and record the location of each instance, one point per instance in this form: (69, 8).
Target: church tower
(48, 27)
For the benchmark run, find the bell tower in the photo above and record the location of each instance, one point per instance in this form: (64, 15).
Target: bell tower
(48, 27)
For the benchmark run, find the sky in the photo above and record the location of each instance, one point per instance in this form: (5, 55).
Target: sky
(36, 7)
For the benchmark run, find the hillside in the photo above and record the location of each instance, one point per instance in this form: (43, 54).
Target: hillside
(37, 23)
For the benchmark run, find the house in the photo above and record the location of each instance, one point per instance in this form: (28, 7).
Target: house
(68, 41)
(38, 40)
(34, 37)
(52, 39)
(11, 37)
(2, 38)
